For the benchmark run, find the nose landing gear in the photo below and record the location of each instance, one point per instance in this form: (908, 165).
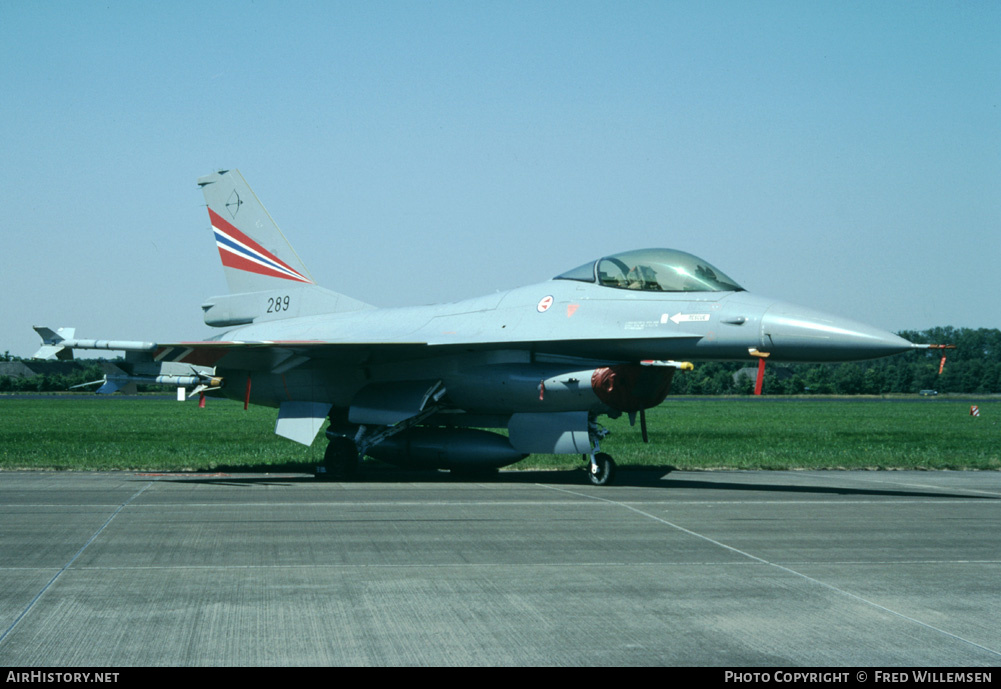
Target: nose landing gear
(600, 466)
(601, 469)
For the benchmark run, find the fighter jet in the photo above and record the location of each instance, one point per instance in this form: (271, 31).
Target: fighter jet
(418, 386)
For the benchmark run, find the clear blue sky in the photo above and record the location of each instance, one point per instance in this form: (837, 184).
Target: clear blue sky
(842, 155)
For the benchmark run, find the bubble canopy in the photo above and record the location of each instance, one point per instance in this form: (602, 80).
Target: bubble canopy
(654, 270)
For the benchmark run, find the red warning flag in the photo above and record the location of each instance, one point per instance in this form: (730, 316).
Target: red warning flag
(760, 380)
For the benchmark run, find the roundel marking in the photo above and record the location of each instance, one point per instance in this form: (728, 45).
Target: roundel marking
(545, 303)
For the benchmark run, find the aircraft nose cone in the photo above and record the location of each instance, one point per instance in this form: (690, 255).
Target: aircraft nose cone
(794, 333)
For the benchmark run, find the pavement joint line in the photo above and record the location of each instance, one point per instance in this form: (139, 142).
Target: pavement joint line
(71, 561)
(494, 565)
(440, 565)
(925, 486)
(781, 567)
(889, 501)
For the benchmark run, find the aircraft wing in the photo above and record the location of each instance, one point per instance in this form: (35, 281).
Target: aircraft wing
(273, 354)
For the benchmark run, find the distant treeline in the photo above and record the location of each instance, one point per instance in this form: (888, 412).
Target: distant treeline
(973, 367)
(86, 372)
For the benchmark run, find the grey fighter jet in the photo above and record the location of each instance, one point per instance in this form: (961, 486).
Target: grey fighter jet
(417, 386)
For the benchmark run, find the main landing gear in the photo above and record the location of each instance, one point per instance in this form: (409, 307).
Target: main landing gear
(340, 460)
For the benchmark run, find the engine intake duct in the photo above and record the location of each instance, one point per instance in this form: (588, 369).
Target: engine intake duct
(631, 387)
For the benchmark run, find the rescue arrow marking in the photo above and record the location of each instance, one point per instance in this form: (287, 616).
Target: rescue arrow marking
(685, 318)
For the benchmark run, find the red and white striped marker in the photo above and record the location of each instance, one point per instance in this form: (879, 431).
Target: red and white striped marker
(974, 410)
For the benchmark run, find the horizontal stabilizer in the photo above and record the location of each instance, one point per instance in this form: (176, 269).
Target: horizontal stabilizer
(124, 386)
(288, 302)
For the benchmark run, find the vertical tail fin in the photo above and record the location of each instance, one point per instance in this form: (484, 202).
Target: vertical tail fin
(267, 279)
(255, 254)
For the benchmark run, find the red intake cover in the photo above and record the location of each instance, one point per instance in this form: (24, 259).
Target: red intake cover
(631, 387)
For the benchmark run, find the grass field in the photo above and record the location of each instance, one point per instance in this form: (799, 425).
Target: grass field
(88, 433)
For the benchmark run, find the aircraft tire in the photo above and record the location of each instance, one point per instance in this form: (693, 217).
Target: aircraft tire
(341, 459)
(605, 475)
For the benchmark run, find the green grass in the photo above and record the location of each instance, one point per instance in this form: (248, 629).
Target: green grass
(87, 433)
(148, 434)
(814, 434)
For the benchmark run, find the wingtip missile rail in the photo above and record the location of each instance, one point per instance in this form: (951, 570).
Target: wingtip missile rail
(59, 344)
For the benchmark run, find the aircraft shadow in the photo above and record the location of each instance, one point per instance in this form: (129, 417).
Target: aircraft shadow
(814, 490)
(639, 478)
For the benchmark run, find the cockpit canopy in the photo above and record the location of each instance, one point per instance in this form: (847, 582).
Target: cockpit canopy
(654, 270)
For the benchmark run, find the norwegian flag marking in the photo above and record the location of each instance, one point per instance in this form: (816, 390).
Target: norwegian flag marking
(239, 251)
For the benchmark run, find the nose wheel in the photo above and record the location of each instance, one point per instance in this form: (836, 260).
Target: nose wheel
(600, 469)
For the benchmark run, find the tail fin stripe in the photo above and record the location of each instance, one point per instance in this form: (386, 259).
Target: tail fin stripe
(231, 260)
(228, 249)
(239, 251)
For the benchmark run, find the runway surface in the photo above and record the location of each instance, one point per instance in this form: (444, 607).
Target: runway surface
(530, 568)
